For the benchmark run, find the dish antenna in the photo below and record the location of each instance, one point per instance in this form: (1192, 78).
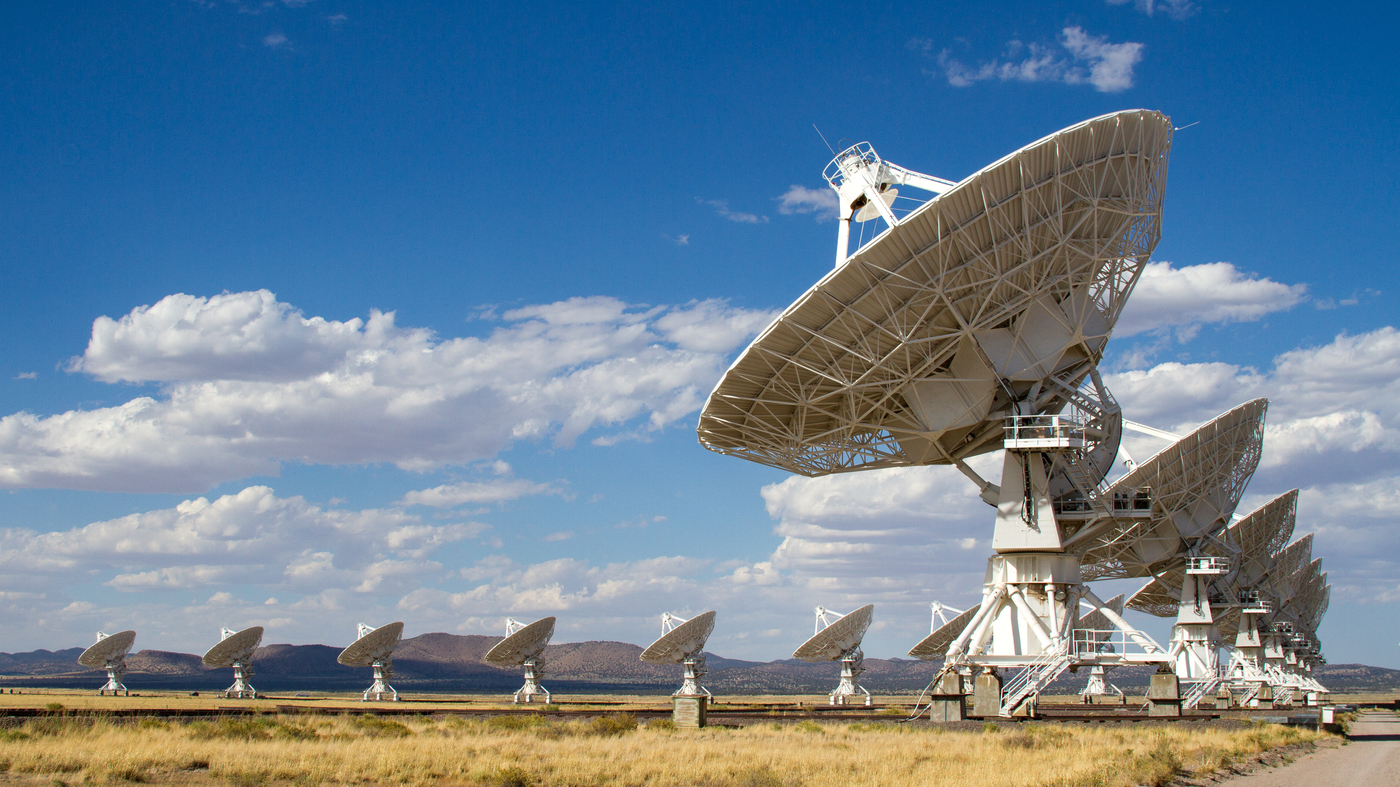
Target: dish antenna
(109, 653)
(971, 324)
(839, 640)
(683, 642)
(942, 631)
(235, 649)
(375, 648)
(524, 645)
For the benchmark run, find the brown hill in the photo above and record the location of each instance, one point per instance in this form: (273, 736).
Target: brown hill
(450, 662)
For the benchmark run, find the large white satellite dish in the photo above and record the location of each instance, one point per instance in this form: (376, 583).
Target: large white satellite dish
(973, 323)
(524, 646)
(683, 642)
(839, 640)
(235, 649)
(1003, 288)
(375, 648)
(109, 653)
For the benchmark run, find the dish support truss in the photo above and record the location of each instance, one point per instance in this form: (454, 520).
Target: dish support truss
(241, 689)
(1033, 590)
(116, 668)
(383, 671)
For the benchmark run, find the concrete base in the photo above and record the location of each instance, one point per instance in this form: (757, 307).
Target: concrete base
(948, 701)
(986, 696)
(1224, 698)
(1164, 695)
(690, 711)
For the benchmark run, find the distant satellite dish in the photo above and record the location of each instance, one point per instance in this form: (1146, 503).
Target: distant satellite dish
(935, 645)
(839, 640)
(1194, 486)
(235, 649)
(109, 653)
(524, 646)
(375, 648)
(683, 642)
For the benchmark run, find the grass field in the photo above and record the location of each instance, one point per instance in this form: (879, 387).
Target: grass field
(513, 751)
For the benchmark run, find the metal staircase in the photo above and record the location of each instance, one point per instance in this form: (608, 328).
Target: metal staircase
(1199, 690)
(1029, 682)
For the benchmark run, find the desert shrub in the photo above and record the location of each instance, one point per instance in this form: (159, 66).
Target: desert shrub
(239, 729)
(670, 726)
(810, 726)
(990, 726)
(13, 735)
(1158, 766)
(54, 707)
(612, 724)
(153, 724)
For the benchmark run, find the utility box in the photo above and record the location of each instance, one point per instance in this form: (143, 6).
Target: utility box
(689, 711)
(986, 695)
(1164, 695)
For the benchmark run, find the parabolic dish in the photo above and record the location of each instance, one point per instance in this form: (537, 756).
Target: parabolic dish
(1289, 570)
(911, 351)
(1258, 538)
(1097, 621)
(237, 648)
(108, 649)
(1195, 485)
(681, 642)
(841, 636)
(525, 644)
(377, 645)
(935, 645)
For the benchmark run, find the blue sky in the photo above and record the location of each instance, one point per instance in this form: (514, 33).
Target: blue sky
(555, 227)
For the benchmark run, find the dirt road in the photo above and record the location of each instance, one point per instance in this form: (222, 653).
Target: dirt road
(1370, 759)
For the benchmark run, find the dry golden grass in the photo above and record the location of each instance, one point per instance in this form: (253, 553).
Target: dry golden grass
(615, 751)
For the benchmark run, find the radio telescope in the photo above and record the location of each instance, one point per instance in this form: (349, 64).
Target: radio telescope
(109, 653)
(235, 649)
(524, 645)
(683, 642)
(973, 323)
(942, 631)
(375, 648)
(839, 640)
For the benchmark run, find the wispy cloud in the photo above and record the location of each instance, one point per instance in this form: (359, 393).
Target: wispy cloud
(1078, 58)
(337, 20)
(800, 199)
(1176, 9)
(275, 40)
(27, 376)
(722, 208)
(679, 240)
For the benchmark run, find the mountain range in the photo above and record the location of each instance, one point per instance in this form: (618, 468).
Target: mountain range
(454, 663)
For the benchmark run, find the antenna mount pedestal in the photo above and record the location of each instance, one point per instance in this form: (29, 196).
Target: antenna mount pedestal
(115, 671)
(534, 670)
(241, 689)
(383, 671)
(694, 671)
(852, 665)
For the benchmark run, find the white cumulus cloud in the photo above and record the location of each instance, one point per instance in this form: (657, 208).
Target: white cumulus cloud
(1185, 298)
(247, 382)
(1077, 58)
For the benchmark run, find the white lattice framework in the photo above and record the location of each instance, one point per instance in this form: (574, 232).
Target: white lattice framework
(1194, 486)
(911, 352)
(1251, 545)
